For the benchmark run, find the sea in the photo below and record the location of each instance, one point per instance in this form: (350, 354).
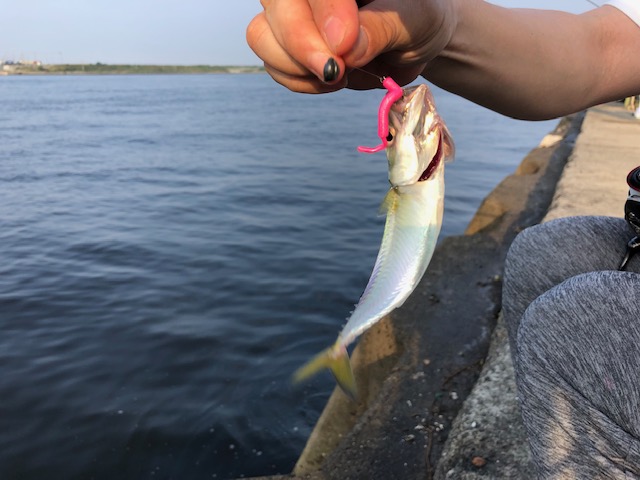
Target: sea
(174, 247)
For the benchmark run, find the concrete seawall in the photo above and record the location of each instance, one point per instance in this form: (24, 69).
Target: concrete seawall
(437, 396)
(592, 183)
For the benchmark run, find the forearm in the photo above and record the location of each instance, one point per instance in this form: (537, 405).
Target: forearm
(538, 64)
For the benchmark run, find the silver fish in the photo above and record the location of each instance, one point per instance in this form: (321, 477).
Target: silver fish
(420, 146)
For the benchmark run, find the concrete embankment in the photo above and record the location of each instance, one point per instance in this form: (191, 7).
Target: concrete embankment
(437, 395)
(592, 183)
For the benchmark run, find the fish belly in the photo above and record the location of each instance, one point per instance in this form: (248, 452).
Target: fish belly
(411, 231)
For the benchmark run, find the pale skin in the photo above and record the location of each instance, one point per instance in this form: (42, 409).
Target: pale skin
(529, 64)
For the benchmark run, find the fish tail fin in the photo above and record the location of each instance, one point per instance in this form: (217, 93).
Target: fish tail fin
(335, 359)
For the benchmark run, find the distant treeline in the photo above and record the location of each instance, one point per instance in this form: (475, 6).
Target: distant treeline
(105, 69)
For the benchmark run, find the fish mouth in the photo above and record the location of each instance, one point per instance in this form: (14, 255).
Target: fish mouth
(435, 161)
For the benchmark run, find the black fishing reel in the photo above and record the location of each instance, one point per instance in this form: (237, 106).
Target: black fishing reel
(632, 205)
(632, 214)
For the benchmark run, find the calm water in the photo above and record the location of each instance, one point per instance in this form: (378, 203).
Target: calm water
(173, 247)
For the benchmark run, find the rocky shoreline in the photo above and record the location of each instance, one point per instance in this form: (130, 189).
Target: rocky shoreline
(110, 69)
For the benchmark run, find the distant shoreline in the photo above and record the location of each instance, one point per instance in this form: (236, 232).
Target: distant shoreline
(104, 69)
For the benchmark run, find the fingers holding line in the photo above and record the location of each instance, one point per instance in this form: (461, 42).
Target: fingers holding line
(284, 69)
(293, 42)
(302, 39)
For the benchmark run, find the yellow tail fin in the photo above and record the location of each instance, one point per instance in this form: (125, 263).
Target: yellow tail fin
(335, 359)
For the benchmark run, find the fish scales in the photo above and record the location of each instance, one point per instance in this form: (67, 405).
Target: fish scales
(403, 257)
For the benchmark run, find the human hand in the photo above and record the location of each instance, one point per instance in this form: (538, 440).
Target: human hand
(297, 39)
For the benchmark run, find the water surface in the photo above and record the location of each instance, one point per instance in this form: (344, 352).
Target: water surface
(174, 247)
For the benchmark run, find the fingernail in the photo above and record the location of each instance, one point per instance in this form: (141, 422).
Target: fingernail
(334, 32)
(331, 70)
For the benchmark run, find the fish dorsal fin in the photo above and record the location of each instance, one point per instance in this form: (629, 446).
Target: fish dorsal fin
(389, 202)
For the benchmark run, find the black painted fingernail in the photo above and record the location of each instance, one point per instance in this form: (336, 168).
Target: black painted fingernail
(331, 70)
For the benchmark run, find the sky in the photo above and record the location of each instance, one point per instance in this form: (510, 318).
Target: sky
(179, 32)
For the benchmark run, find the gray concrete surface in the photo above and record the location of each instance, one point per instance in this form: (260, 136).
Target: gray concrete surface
(436, 401)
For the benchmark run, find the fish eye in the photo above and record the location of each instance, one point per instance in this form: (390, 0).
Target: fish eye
(389, 137)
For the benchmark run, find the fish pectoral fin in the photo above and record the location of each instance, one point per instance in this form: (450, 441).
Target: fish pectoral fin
(389, 202)
(335, 359)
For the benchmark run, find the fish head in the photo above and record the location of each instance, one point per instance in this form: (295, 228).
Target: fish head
(418, 138)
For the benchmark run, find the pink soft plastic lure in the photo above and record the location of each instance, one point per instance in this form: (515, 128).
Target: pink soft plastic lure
(394, 93)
